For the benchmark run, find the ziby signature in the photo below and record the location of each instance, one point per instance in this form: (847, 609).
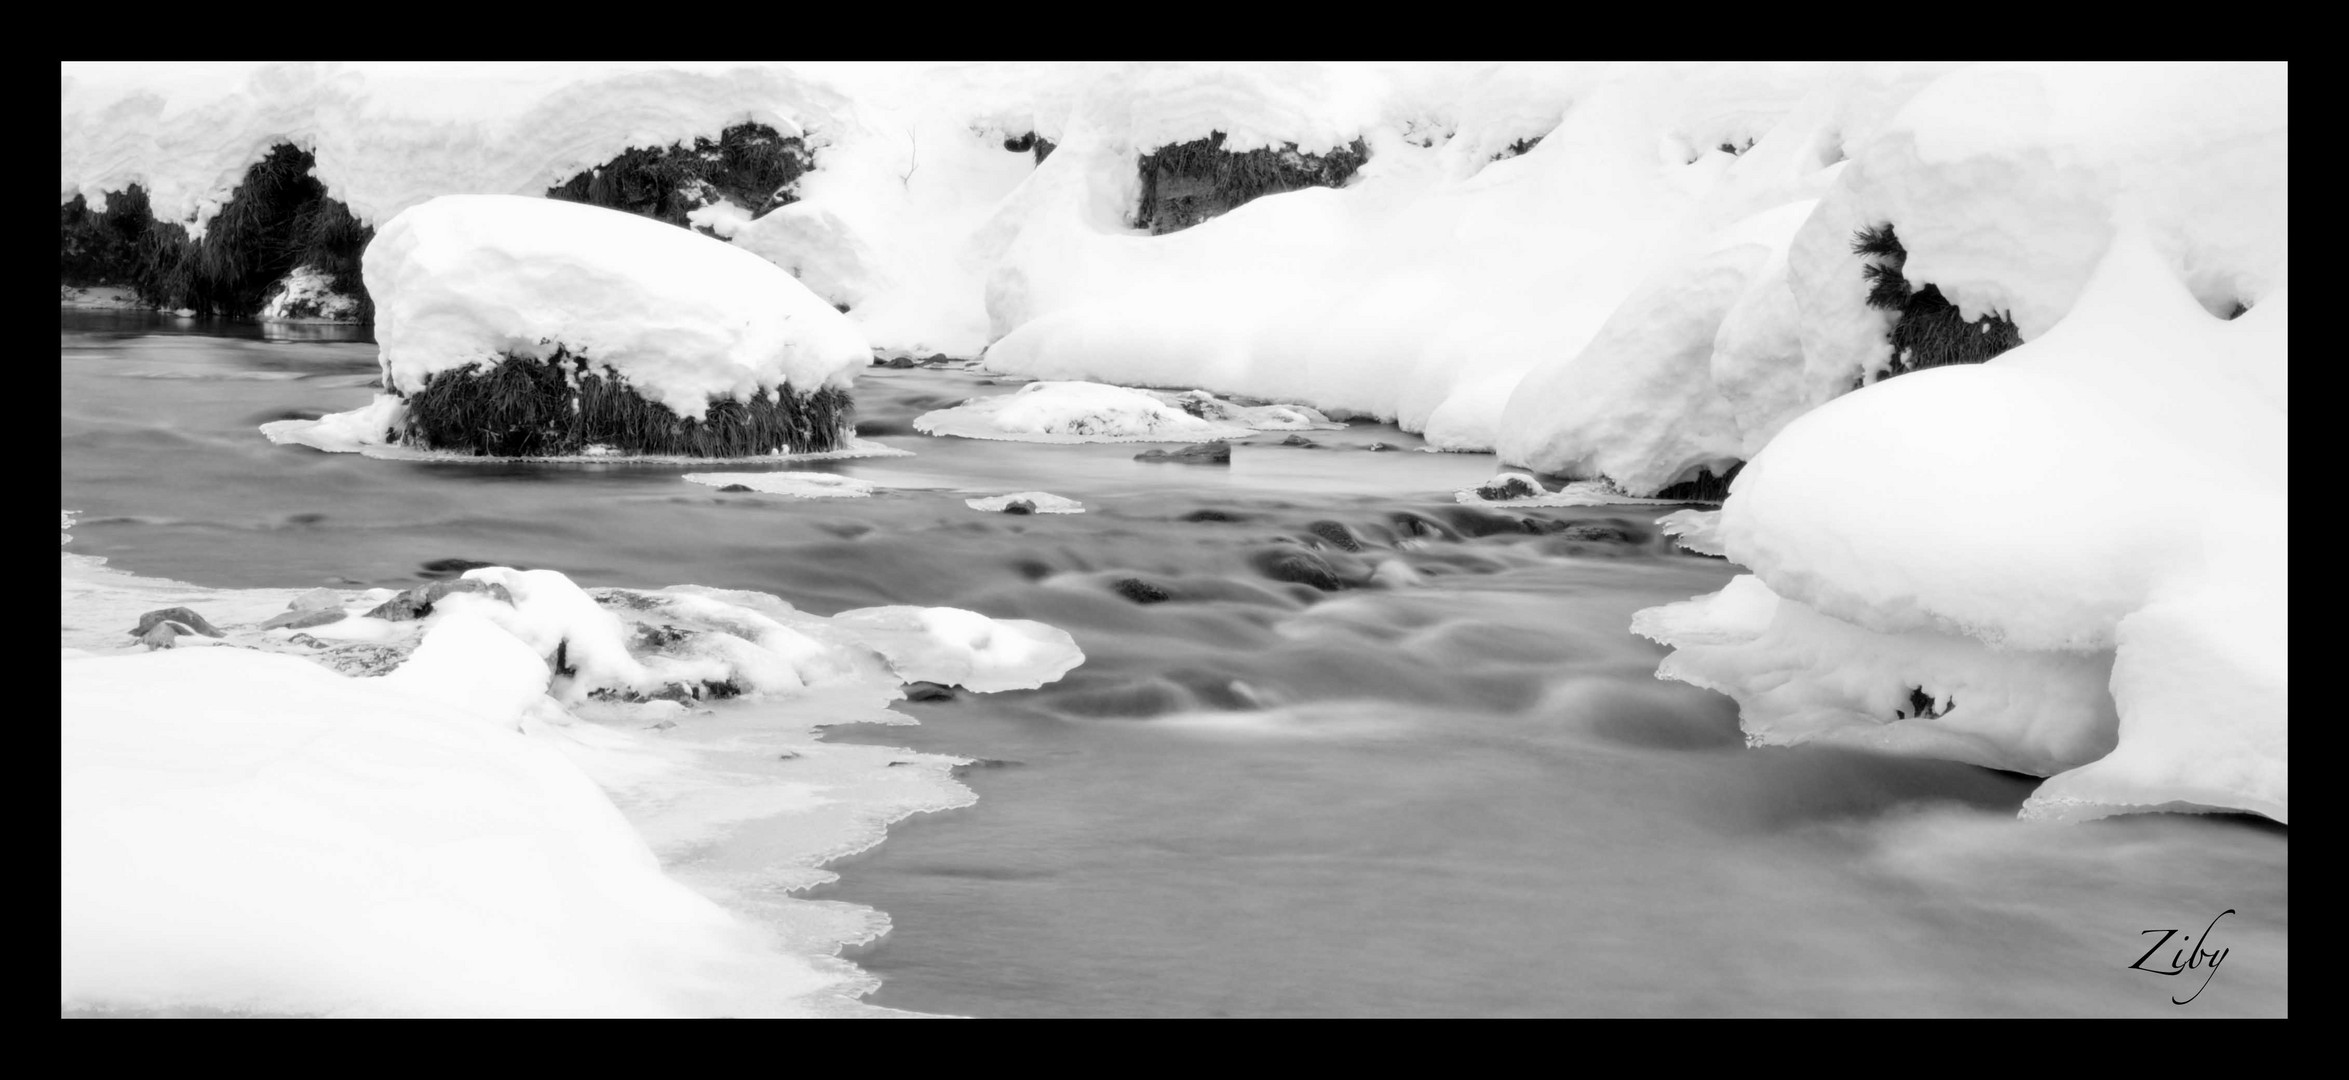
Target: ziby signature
(2187, 956)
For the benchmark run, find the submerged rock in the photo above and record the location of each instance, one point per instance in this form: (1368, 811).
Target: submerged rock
(1302, 567)
(1214, 453)
(1300, 440)
(1609, 533)
(298, 620)
(1140, 591)
(737, 488)
(928, 691)
(1337, 534)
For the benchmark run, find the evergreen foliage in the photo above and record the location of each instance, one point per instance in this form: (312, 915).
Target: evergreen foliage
(750, 165)
(558, 406)
(279, 218)
(1931, 331)
(1184, 184)
(1703, 488)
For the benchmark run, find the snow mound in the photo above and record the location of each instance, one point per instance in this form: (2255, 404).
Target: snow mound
(964, 648)
(1044, 501)
(1931, 533)
(1073, 412)
(801, 485)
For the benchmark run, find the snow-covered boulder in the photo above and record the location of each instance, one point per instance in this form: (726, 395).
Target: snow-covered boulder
(514, 326)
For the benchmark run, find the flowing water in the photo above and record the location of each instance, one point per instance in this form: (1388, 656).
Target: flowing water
(1465, 794)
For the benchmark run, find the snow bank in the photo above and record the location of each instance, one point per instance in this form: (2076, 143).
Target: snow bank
(1655, 287)
(2035, 538)
(245, 828)
(1071, 412)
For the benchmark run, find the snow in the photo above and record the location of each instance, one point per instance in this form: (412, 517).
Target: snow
(308, 293)
(1044, 502)
(1624, 300)
(799, 485)
(1696, 530)
(243, 828)
(1070, 412)
(964, 648)
(2021, 530)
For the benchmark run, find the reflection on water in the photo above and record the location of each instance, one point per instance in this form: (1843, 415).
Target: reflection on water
(1469, 796)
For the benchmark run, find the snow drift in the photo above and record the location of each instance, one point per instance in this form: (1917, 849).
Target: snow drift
(2020, 563)
(248, 827)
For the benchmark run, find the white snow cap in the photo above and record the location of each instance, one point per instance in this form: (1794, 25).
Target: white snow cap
(467, 279)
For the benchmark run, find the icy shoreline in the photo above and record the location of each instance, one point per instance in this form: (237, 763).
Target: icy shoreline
(505, 823)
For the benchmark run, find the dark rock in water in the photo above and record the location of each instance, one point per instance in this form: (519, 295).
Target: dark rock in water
(738, 488)
(1475, 522)
(298, 620)
(1378, 446)
(1610, 533)
(1140, 591)
(1019, 506)
(928, 691)
(305, 639)
(1514, 487)
(1032, 569)
(1302, 567)
(1214, 453)
(899, 362)
(1336, 534)
(1411, 524)
(1300, 440)
(402, 608)
(937, 360)
(455, 566)
(1210, 515)
(191, 621)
